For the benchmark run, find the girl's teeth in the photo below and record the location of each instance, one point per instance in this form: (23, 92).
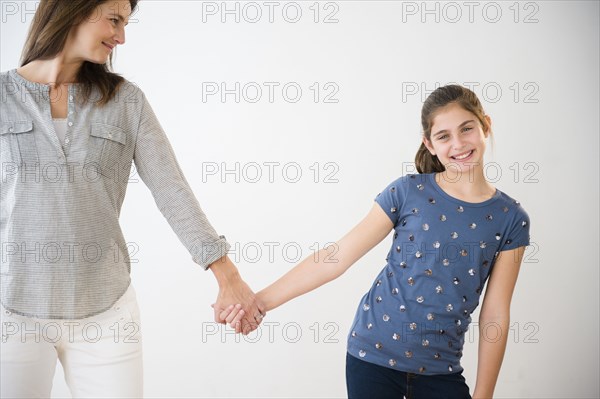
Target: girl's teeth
(464, 156)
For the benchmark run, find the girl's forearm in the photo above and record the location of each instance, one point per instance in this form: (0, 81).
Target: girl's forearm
(329, 263)
(493, 334)
(314, 271)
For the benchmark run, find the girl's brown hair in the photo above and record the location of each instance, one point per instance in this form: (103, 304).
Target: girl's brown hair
(441, 97)
(48, 34)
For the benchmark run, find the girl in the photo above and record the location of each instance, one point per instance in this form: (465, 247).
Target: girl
(452, 230)
(70, 130)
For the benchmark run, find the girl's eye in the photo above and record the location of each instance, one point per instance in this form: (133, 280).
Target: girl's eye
(115, 20)
(467, 129)
(442, 137)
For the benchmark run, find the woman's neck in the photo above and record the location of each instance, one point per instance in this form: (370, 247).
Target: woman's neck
(54, 72)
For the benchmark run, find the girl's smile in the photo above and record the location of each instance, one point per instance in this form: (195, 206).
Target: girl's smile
(464, 156)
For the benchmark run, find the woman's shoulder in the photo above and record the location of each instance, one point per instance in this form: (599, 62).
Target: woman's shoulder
(11, 84)
(8, 71)
(126, 95)
(9, 75)
(129, 88)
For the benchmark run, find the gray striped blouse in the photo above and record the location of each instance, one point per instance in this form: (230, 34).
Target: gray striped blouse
(63, 253)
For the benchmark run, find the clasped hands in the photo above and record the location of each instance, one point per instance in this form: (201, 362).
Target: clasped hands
(238, 306)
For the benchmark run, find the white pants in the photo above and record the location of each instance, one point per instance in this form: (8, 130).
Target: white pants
(101, 355)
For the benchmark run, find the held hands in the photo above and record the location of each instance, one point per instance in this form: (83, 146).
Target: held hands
(234, 316)
(244, 311)
(247, 313)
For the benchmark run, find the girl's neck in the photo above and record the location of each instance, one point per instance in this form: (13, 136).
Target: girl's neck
(468, 186)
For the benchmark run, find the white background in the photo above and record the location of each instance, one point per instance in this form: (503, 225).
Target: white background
(536, 73)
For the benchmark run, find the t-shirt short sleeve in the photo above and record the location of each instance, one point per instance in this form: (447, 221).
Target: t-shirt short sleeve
(393, 197)
(518, 233)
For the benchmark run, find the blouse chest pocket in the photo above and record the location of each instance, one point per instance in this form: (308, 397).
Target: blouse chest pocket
(105, 150)
(17, 143)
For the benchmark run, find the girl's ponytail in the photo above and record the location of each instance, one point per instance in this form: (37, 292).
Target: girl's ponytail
(427, 163)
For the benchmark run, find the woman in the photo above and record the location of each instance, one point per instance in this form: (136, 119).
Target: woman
(452, 232)
(70, 130)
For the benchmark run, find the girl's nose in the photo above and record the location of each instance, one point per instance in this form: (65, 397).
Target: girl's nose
(457, 142)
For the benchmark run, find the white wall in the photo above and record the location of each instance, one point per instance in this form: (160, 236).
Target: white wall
(536, 72)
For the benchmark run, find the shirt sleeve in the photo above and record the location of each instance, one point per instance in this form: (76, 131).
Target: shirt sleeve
(158, 168)
(518, 233)
(392, 198)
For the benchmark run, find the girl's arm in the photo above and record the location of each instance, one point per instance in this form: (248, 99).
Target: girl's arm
(310, 273)
(494, 320)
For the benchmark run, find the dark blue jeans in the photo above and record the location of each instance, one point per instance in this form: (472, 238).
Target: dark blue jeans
(368, 380)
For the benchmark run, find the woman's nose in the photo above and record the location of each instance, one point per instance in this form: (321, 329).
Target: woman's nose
(120, 36)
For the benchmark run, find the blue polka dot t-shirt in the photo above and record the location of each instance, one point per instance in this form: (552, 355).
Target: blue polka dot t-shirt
(418, 309)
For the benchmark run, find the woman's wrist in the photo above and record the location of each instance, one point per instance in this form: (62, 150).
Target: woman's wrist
(225, 271)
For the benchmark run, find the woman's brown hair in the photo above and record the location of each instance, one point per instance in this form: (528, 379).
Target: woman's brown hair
(439, 98)
(48, 34)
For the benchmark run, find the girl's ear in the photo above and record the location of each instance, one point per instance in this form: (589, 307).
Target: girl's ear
(489, 125)
(428, 145)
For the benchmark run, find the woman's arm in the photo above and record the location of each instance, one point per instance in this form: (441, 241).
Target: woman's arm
(318, 269)
(494, 320)
(158, 167)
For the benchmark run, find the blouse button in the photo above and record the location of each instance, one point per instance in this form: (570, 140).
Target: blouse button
(67, 141)
(70, 123)
(10, 129)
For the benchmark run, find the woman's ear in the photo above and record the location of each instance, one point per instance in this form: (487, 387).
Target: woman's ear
(428, 145)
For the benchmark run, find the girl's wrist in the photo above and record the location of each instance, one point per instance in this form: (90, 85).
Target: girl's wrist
(265, 300)
(482, 394)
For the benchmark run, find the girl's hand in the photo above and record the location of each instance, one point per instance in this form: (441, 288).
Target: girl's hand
(232, 315)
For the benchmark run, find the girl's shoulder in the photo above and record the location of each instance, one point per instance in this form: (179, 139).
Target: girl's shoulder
(414, 179)
(510, 204)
